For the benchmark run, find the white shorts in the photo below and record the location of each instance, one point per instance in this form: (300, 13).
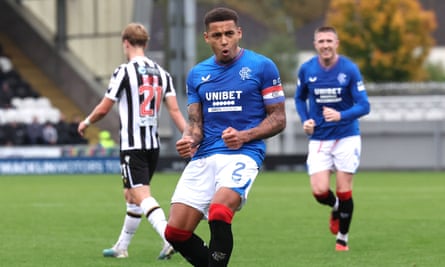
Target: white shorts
(342, 155)
(201, 178)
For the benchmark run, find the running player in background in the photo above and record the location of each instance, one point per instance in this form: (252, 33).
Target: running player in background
(235, 100)
(139, 86)
(337, 98)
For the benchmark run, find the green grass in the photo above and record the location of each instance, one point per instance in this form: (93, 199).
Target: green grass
(399, 220)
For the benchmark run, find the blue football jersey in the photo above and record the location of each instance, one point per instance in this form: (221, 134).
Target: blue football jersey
(340, 87)
(234, 95)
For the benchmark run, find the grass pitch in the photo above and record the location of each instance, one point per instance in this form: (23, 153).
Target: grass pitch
(399, 220)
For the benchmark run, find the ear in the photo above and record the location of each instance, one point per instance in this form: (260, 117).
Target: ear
(240, 32)
(206, 37)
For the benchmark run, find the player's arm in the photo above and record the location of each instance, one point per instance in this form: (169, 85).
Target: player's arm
(171, 103)
(361, 105)
(274, 123)
(301, 95)
(360, 108)
(96, 115)
(193, 132)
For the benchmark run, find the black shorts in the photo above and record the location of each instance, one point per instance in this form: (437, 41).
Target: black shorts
(138, 166)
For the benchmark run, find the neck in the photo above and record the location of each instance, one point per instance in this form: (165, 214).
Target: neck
(136, 52)
(329, 62)
(239, 49)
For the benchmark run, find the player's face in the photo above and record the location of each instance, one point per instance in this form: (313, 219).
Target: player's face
(326, 44)
(223, 37)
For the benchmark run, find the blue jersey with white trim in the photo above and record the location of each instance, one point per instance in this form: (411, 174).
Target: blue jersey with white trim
(234, 95)
(340, 87)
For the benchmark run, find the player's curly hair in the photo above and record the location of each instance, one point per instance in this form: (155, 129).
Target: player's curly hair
(220, 14)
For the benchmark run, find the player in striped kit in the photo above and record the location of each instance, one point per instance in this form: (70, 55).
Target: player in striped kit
(139, 86)
(330, 98)
(235, 100)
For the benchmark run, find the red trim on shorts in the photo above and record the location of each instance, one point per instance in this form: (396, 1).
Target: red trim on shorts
(219, 212)
(320, 145)
(344, 195)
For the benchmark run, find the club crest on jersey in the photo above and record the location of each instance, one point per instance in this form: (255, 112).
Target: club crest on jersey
(142, 70)
(341, 78)
(244, 73)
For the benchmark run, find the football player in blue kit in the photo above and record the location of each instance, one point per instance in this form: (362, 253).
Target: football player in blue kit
(330, 98)
(235, 100)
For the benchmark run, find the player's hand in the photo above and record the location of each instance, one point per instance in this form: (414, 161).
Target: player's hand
(308, 126)
(331, 114)
(186, 147)
(232, 138)
(81, 128)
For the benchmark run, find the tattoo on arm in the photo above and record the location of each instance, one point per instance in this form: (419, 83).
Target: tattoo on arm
(194, 127)
(274, 123)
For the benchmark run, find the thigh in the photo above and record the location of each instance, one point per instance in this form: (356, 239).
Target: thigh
(196, 186)
(235, 172)
(320, 158)
(347, 154)
(320, 182)
(344, 181)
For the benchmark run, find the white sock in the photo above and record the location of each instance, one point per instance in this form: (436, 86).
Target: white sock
(155, 216)
(343, 237)
(131, 224)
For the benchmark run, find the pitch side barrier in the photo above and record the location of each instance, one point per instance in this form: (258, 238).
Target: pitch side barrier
(110, 164)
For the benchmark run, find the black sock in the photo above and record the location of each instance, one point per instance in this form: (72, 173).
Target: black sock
(327, 200)
(345, 208)
(194, 250)
(221, 243)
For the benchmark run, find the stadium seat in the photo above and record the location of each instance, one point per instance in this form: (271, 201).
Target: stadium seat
(28, 102)
(10, 115)
(17, 102)
(52, 114)
(42, 102)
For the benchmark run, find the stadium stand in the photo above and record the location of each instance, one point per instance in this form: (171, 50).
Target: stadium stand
(27, 92)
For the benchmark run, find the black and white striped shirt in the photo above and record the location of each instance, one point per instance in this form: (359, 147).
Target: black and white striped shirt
(139, 86)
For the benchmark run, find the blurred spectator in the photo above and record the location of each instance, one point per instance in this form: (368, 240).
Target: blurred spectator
(106, 145)
(23, 89)
(2, 134)
(34, 131)
(15, 134)
(63, 131)
(49, 134)
(6, 95)
(105, 140)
